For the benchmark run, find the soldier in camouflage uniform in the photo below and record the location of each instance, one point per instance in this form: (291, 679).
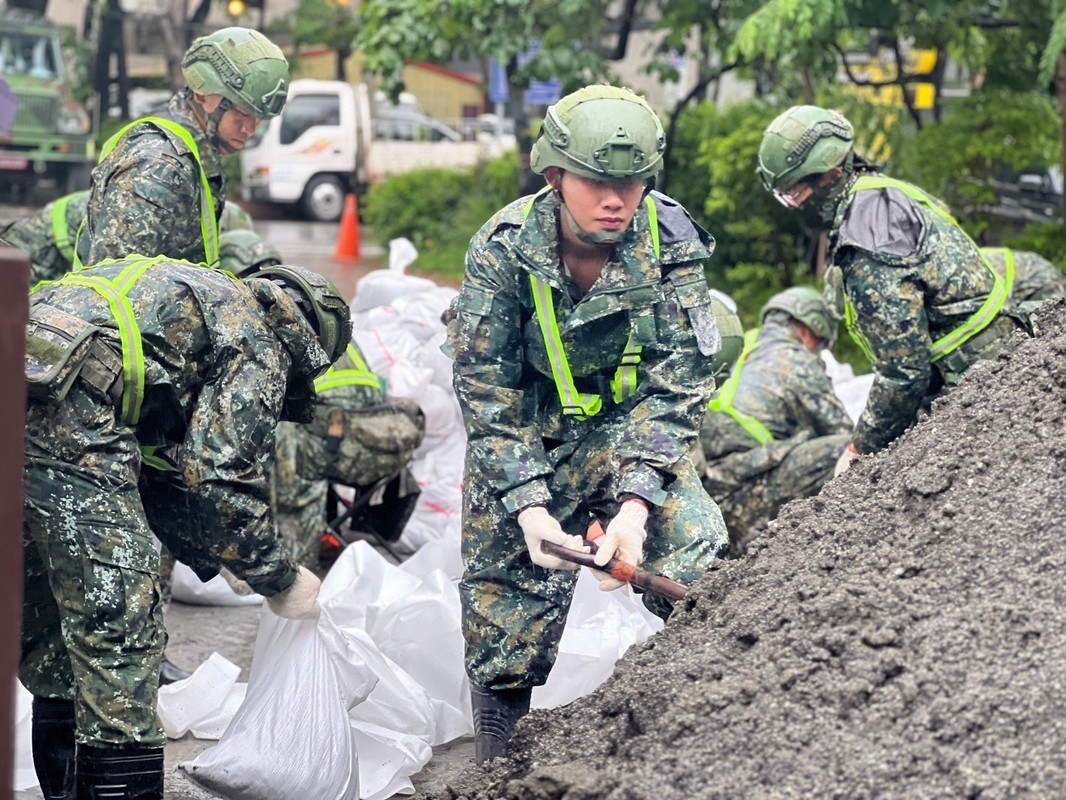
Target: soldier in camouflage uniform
(1033, 278)
(159, 187)
(914, 290)
(774, 431)
(581, 338)
(299, 502)
(197, 365)
(54, 235)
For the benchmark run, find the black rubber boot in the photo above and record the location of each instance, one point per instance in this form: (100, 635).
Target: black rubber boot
(120, 773)
(171, 673)
(52, 734)
(495, 714)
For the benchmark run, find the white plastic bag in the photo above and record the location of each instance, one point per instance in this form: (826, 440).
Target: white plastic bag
(187, 588)
(291, 737)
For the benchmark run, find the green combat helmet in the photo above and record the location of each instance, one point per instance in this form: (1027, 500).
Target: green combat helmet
(234, 218)
(601, 132)
(805, 304)
(732, 331)
(244, 252)
(320, 302)
(803, 141)
(243, 66)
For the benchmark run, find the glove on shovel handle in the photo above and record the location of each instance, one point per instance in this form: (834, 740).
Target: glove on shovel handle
(620, 570)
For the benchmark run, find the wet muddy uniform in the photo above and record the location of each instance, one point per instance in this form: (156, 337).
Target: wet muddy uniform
(217, 366)
(912, 276)
(802, 428)
(523, 450)
(146, 195)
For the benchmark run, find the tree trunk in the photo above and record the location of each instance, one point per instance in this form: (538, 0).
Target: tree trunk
(1060, 92)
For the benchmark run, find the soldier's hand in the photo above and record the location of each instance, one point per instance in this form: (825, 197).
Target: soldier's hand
(540, 526)
(849, 455)
(241, 588)
(299, 601)
(623, 540)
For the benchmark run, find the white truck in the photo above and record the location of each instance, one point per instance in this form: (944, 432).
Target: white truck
(332, 139)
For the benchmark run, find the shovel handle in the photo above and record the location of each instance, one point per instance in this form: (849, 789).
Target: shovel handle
(620, 570)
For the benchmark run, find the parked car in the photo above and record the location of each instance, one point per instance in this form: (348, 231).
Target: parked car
(1028, 196)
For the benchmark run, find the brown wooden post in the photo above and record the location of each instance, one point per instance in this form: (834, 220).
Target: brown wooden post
(14, 289)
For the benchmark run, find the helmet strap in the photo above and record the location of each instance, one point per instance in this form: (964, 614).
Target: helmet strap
(210, 121)
(588, 237)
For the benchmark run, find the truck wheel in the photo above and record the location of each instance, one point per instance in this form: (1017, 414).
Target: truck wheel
(323, 199)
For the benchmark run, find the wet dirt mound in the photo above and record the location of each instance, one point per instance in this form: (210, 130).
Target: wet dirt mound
(903, 634)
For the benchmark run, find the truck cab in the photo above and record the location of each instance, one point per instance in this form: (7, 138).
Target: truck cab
(308, 156)
(51, 137)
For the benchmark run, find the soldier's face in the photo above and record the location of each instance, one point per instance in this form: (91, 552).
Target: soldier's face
(600, 205)
(236, 128)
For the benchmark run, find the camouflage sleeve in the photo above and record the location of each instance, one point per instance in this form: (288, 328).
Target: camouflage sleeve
(145, 199)
(891, 315)
(227, 458)
(503, 446)
(819, 404)
(675, 386)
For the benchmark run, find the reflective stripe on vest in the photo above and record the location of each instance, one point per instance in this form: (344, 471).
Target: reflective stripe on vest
(978, 321)
(1008, 264)
(722, 401)
(624, 383)
(208, 222)
(360, 376)
(60, 229)
(129, 332)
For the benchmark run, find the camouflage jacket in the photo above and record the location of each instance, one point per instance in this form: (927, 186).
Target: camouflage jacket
(218, 354)
(784, 386)
(1035, 278)
(913, 277)
(502, 376)
(145, 195)
(35, 235)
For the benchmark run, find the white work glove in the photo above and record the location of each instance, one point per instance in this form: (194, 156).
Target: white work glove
(623, 540)
(849, 455)
(540, 526)
(241, 588)
(299, 601)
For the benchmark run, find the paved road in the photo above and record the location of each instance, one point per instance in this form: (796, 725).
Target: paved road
(197, 631)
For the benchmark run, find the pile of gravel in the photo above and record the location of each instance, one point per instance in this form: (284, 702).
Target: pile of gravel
(903, 634)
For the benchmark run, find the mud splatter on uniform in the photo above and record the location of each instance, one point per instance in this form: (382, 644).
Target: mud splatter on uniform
(523, 450)
(208, 341)
(784, 386)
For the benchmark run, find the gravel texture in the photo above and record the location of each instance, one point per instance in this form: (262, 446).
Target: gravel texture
(901, 635)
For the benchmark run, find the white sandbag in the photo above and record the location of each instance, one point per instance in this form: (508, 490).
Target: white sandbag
(291, 737)
(853, 390)
(437, 555)
(600, 628)
(380, 749)
(25, 779)
(381, 287)
(187, 588)
(183, 704)
(436, 515)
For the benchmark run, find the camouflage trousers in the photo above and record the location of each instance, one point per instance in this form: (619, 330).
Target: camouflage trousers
(751, 486)
(92, 625)
(514, 611)
(299, 504)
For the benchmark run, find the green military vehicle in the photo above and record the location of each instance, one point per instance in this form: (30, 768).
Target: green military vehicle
(51, 141)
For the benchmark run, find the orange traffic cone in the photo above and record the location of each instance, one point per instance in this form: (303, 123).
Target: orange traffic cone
(348, 241)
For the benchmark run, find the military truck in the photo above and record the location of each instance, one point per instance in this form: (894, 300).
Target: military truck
(51, 141)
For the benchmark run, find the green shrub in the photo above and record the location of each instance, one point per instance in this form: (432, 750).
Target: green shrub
(439, 210)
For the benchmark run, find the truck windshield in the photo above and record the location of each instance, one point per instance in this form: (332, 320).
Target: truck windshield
(35, 55)
(306, 111)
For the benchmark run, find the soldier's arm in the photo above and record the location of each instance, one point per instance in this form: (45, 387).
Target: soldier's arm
(227, 457)
(675, 383)
(503, 447)
(891, 315)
